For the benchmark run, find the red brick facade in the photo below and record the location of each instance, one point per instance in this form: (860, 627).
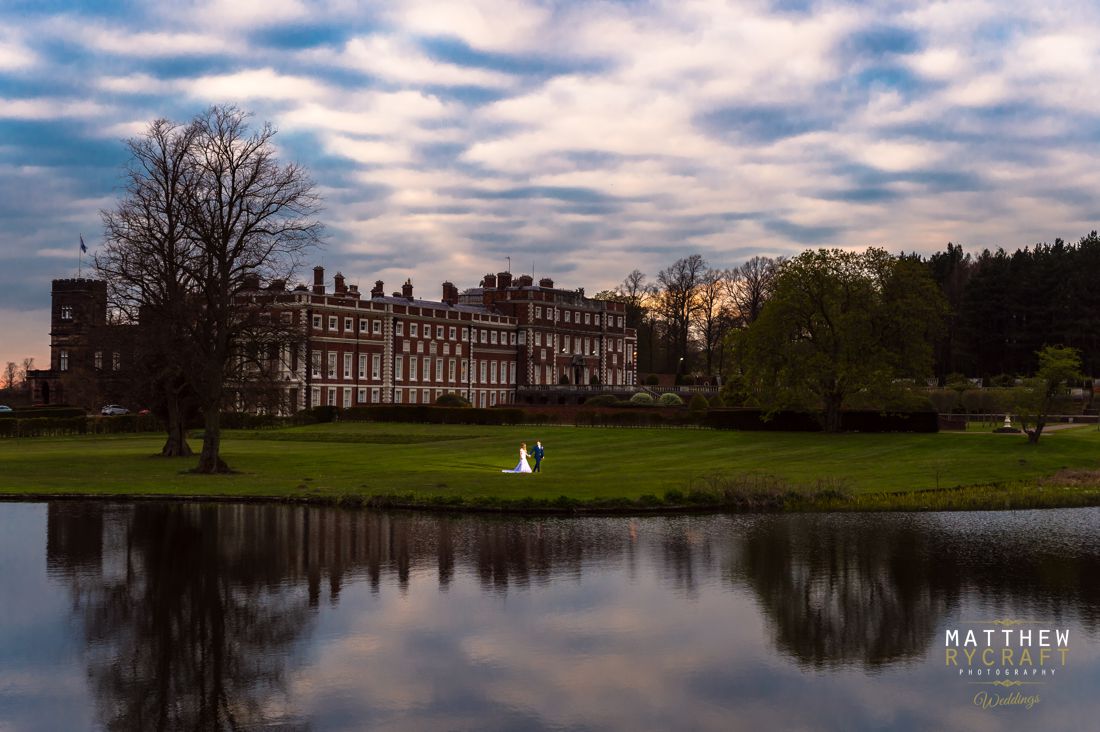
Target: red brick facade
(484, 344)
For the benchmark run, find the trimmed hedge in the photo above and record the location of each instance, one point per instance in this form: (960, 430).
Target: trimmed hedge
(850, 421)
(47, 412)
(669, 399)
(424, 413)
(59, 426)
(601, 400)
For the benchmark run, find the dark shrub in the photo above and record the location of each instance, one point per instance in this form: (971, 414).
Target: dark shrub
(652, 380)
(698, 404)
(601, 400)
(452, 400)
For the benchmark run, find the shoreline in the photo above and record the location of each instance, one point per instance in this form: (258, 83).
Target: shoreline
(1020, 497)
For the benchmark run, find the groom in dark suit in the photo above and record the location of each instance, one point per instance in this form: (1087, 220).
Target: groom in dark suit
(537, 453)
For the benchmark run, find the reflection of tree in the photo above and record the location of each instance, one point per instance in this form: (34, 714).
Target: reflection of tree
(185, 629)
(871, 591)
(192, 612)
(840, 594)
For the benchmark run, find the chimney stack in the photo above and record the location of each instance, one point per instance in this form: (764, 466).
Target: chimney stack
(353, 291)
(504, 280)
(340, 287)
(407, 290)
(489, 281)
(450, 293)
(547, 283)
(251, 281)
(377, 290)
(524, 280)
(318, 280)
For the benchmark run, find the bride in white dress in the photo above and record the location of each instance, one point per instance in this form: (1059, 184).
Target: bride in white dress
(522, 466)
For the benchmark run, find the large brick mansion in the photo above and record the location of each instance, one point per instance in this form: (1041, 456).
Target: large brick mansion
(488, 343)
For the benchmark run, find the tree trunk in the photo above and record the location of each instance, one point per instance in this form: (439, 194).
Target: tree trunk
(832, 412)
(1034, 435)
(210, 460)
(176, 444)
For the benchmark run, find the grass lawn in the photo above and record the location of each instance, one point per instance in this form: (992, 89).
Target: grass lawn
(462, 464)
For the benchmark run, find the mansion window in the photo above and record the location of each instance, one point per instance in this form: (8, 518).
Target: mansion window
(376, 327)
(64, 359)
(116, 361)
(362, 325)
(347, 323)
(66, 312)
(317, 322)
(333, 322)
(98, 360)
(376, 367)
(439, 332)
(401, 328)
(413, 329)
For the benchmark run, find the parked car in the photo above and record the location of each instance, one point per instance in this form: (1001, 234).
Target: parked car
(111, 410)
(5, 408)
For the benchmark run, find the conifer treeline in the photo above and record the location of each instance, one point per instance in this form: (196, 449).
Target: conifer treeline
(1005, 307)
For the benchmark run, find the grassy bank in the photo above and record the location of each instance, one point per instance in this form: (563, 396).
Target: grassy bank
(459, 466)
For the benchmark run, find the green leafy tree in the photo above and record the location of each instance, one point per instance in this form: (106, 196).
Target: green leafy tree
(839, 323)
(1058, 365)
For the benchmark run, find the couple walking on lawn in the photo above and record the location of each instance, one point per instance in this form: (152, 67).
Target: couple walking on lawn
(523, 467)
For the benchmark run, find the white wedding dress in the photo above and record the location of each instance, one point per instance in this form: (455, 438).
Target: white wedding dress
(522, 466)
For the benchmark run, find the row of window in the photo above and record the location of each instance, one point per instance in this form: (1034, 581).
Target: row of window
(571, 316)
(97, 360)
(342, 397)
(374, 327)
(548, 374)
(578, 344)
(489, 371)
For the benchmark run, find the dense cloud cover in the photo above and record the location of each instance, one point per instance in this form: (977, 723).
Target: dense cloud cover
(584, 139)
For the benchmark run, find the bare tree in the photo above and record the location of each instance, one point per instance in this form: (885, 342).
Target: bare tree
(11, 373)
(28, 366)
(250, 215)
(676, 299)
(750, 285)
(209, 210)
(145, 261)
(714, 315)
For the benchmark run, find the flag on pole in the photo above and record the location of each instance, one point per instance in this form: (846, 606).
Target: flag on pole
(83, 248)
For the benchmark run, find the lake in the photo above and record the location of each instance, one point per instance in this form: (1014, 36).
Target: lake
(162, 615)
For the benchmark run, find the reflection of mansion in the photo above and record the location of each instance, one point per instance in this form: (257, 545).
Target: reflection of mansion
(489, 343)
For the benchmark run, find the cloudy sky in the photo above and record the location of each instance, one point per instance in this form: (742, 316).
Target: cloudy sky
(581, 138)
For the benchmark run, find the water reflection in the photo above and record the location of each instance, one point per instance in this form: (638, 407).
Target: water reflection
(239, 616)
